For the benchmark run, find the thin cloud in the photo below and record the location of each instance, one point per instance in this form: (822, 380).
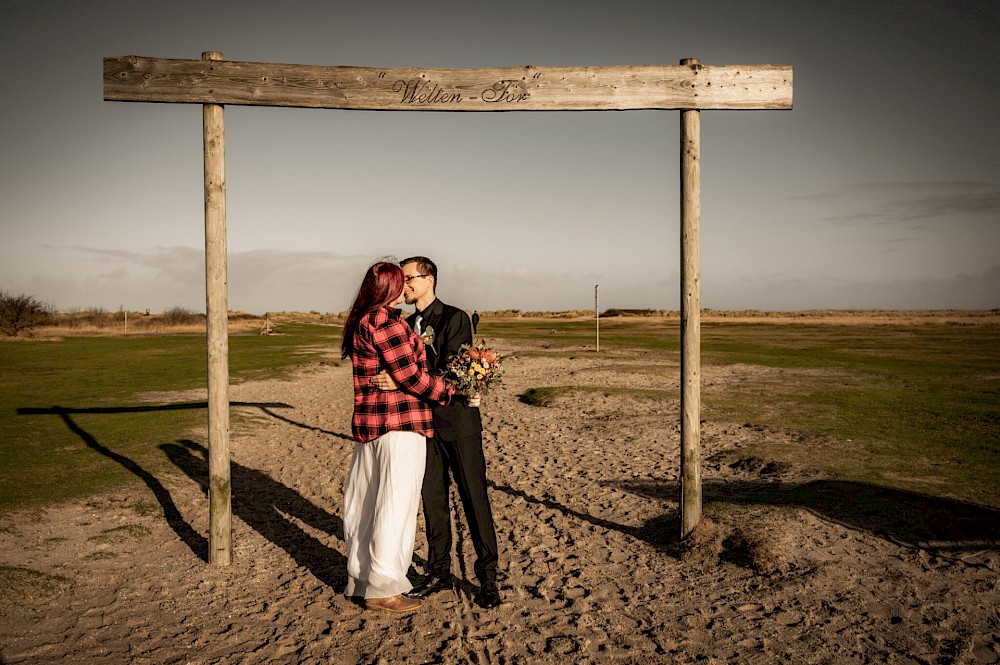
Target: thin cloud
(977, 290)
(260, 280)
(890, 188)
(158, 257)
(896, 202)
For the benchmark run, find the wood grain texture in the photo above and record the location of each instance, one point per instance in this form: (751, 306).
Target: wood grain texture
(690, 499)
(529, 88)
(220, 537)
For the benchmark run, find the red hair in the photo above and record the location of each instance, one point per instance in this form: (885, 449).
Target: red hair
(382, 284)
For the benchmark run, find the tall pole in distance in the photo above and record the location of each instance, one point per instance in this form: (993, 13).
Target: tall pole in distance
(597, 317)
(690, 316)
(220, 516)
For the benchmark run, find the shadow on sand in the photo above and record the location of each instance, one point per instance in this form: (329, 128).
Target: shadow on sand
(266, 505)
(268, 409)
(903, 517)
(272, 510)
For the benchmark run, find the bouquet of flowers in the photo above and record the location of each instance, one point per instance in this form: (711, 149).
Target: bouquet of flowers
(474, 370)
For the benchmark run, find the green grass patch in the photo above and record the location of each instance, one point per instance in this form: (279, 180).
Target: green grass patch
(148, 509)
(72, 423)
(913, 408)
(618, 333)
(121, 534)
(546, 395)
(101, 556)
(541, 396)
(18, 584)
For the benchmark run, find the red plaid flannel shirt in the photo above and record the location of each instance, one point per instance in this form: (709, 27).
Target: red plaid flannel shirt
(384, 341)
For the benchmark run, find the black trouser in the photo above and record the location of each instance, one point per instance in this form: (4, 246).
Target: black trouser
(465, 461)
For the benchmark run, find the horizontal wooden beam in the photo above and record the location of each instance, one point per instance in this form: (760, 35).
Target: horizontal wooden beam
(140, 79)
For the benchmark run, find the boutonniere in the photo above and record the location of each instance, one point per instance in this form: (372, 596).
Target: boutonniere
(427, 336)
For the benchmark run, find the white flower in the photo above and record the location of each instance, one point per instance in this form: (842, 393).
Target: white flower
(427, 336)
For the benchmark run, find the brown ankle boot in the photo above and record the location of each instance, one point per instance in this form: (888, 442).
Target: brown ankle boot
(397, 603)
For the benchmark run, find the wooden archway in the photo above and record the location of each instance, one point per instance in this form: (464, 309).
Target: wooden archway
(689, 87)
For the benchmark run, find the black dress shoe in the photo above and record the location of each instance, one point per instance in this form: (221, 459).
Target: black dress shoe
(428, 586)
(488, 596)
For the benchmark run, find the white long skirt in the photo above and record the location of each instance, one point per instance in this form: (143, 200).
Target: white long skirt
(381, 498)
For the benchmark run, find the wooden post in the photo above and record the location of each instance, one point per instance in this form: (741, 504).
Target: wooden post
(690, 316)
(597, 317)
(220, 519)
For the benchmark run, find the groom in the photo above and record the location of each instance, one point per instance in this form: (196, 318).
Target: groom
(457, 446)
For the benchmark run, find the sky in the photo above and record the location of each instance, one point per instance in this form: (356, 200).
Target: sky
(879, 190)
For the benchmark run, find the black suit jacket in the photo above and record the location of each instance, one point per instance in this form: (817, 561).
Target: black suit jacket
(452, 328)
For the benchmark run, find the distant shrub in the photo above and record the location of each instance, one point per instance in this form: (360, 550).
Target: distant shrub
(98, 317)
(179, 316)
(242, 316)
(20, 313)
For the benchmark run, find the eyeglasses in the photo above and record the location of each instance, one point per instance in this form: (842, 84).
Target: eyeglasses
(413, 277)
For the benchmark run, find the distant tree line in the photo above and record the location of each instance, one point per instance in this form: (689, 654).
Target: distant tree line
(21, 314)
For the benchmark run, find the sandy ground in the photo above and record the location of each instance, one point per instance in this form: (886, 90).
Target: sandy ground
(786, 566)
